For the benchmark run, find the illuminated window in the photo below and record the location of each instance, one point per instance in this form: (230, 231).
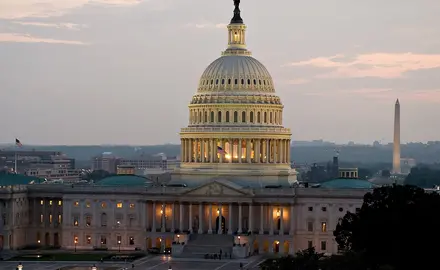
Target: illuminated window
(119, 205)
(76, 204)
(50, 202)
(59, 219)
(131, 240)
(75, 239)
(88, 239)
(103, 205)
(50, 219)
(41, 218)
(88, 204)
(42, 202)
(75, 221)
(131, 205)
(60, 203)
(323, 226)
(103, 240)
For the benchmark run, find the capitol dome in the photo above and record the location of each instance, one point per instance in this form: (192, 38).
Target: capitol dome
(235, 128)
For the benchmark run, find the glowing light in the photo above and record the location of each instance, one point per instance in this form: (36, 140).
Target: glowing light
(227, 156)
(38, 241)
(278, 213)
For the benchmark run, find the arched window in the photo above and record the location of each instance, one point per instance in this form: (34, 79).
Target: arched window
(216, 81)
(219, 117)
(243, 117)
(236, 81)
(223, 81)
(229, 81)
(265, 117)
(242, 81)
(227, 117)
(249, 81)
(212, 117)
(235, 117)
(255, 81)
(258, 117)
(251, 117)
(206, 117)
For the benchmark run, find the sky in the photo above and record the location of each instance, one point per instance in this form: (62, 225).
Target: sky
(123, 71)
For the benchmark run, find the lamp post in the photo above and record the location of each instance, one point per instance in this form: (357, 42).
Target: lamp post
(178, 239)
(19, 266)
(239, 240)
(119, 244)
(94, 267)
(75, 242)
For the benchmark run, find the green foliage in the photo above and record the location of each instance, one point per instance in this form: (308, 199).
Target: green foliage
(395, 226)
(303, 260)
(423, 177)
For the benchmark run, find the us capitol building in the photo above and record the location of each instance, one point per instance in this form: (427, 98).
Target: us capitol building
(233, 191)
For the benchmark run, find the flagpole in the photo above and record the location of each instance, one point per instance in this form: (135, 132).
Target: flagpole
(15, 161)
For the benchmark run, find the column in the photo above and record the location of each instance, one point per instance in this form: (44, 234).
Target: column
(202, 150)
(240, 218)
(219, 219)
(271, 219)
(182, 150)
(280, 151)
(248, 150)
(261, 219)
(288, 152)
(239, 150)
(257, 154)
(222, 145)
(173, 217)
(196, 150)
(200, 218)
(292, 221)
(267, 151)
(153, 226)
(210, 219)
(251, 227)
(281, 232)
(230, 219)
(181, 216)
(231, 150)
(189, 150)
(211, 151)
(275, 151)
(163, 226)
(146, 213)
(190, 228)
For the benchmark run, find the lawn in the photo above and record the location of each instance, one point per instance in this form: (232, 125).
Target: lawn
(90, 257)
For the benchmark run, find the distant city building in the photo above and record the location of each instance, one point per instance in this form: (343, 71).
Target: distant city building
(126, 169)
(110, 163)
(407, 164)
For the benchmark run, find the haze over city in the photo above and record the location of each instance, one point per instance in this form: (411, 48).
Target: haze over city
(123, 72)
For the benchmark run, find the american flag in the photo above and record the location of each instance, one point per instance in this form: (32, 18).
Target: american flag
(18, 143)
(221, 151)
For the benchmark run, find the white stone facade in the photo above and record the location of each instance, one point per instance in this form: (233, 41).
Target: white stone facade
(131, 218)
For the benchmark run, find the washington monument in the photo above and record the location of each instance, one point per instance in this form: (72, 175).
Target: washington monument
(396, 143)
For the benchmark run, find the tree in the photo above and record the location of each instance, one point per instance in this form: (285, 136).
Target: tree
(303, 260)
(396, 226)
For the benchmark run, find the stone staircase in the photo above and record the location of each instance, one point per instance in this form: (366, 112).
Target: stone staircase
(201, 244)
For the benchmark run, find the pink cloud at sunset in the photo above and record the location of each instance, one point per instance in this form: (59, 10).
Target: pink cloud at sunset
(14, 37)
(382, 65)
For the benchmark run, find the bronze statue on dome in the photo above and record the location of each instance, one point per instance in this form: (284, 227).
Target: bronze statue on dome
(236, 3)
(237, 18)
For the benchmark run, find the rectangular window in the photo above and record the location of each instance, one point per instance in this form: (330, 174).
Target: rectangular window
(323, 226)
(88, 221)
(88, 239)
(103, 240)
(50, 202)
(131, 240)
(310, 226)
(50, 219)
(60, 203)
(75, 240)
(132, 205)
(41, 218)
(323, 245)
(309, 244)
(75, 221)
(76, 204)
(119, 239)
(88, 204)
(42, 202)
(59, 218)
(119, 205)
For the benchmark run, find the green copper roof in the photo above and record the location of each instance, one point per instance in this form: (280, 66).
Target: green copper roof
(346, 183)
(124, 180)
(18, 179)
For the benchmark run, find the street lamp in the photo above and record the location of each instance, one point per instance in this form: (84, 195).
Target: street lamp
(178, 238)
(76, 243)
(119, 244)
(94, 267)
(19, 266)
(239, 240)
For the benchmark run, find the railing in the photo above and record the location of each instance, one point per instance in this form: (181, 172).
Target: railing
(237, 129)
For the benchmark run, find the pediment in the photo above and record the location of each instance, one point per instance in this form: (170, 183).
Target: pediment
(215, 189)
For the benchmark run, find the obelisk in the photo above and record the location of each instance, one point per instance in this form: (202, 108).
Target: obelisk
(396, 142)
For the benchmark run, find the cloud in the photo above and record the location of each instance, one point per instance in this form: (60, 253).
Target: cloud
(205, 25)
(69, 26)
(23, 38)
(381, 65)
(297, 81)
(16, 9)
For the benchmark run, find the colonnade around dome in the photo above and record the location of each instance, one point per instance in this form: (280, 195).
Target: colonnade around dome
(237, 150)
